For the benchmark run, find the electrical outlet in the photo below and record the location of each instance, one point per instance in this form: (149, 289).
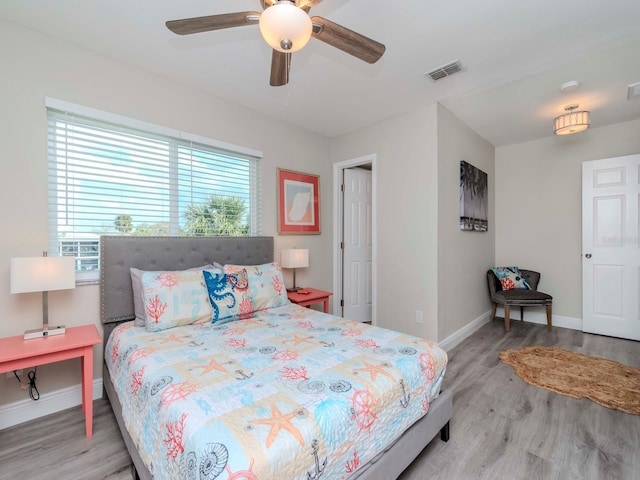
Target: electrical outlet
(419, 316)
(11, 375)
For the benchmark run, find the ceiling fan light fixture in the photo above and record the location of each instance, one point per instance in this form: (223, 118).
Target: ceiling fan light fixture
(571, 122)
(285, 27)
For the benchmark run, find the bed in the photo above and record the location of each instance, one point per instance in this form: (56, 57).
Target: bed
(286, 417)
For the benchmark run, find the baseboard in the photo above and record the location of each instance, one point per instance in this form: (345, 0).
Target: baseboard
(466, 331)
(540, 316)
(51, 402)
(529, 316)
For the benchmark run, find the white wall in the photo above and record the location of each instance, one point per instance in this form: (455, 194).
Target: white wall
(424, 259)
(407, 216)
(35, 66)
(463, 257)
(539, 212)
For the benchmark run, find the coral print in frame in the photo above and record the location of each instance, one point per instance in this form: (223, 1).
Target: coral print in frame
(298, 203)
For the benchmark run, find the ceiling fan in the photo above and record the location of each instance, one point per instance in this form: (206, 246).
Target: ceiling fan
(286, 26)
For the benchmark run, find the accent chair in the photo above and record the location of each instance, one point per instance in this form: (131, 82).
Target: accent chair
(518, 297)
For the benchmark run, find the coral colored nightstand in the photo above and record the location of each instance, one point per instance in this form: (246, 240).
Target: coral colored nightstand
(17, 353)
(306, 297)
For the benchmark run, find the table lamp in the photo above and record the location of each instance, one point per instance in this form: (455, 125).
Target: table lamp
(294, 258)
(43, 274)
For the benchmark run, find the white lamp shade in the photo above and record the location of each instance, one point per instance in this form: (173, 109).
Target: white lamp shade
(285, 27)
(572, 122)
(42, 274)
(294, 258)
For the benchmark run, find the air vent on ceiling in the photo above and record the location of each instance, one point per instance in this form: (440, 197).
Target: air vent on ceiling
(445, 70)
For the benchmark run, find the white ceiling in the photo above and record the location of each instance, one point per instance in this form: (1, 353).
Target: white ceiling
(516, 54)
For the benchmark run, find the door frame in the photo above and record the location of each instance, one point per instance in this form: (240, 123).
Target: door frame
(338, 215)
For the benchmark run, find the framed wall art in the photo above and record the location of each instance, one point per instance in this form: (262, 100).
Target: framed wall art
(474, 198)
(298, 203)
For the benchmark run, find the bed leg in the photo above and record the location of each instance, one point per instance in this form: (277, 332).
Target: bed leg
(444, 433)
(134, 472)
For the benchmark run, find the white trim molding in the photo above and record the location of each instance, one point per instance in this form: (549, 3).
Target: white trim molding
(529, 316)
(539, 316)
(24, 410)
(457, 337)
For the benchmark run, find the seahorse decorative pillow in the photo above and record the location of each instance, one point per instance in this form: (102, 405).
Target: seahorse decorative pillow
(511, 278)
(172, 299)
(266, 284)
(228, 295)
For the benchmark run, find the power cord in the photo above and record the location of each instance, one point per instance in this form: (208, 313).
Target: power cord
(33, 389)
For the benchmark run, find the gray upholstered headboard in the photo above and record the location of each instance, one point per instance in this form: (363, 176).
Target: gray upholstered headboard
(119, 253)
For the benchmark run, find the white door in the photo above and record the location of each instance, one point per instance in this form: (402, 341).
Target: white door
(357, 251)
(611, 249)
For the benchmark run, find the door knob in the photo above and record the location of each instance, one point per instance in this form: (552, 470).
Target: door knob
(588, 255)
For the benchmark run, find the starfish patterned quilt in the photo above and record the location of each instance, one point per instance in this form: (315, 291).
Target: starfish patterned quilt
(291, 393)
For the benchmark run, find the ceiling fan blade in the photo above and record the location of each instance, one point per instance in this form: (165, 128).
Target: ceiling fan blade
(280, 65)
(299, 3)
(188, 26)
(347, 40)
(307, 3)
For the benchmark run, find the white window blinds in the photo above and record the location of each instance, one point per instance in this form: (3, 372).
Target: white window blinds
(112, 179)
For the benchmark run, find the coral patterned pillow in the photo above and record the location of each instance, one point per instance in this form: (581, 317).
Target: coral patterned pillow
(511, 278)
(228, 295)
(136, 285)
(266, 284)
(172, 299)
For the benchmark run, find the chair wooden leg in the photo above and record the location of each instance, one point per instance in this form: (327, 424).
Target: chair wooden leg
(549, 317)
(506, 318)
(493, 311)
(521, 313)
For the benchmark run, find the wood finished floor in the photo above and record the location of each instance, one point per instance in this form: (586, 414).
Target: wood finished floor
(502, 428)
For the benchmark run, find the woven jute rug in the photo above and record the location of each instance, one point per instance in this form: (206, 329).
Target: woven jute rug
(609, 383)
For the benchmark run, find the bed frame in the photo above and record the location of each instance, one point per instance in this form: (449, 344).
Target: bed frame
(119, 253)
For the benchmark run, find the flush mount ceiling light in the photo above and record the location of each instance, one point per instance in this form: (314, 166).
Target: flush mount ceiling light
(571, 122)
(285, 27)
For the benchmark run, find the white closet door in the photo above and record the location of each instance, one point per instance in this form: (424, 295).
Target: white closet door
(358, 245)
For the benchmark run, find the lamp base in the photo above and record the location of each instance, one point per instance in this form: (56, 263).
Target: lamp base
(41, 332)
(294, 289)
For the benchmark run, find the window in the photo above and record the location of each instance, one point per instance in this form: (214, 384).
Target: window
(125, 177)
(86, 252)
